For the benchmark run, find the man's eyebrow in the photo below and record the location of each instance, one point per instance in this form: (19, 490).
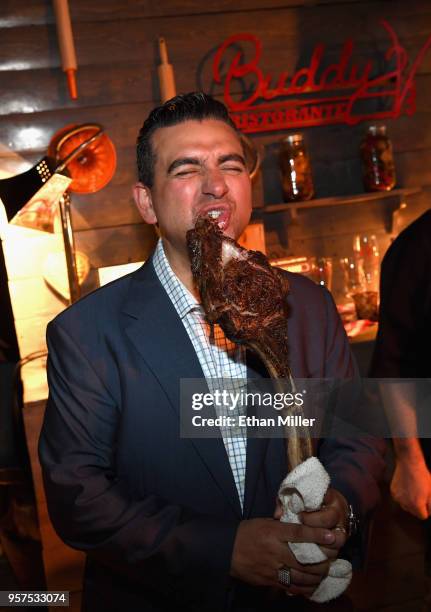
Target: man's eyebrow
(231, 157)
(183, 161)
(194, 161)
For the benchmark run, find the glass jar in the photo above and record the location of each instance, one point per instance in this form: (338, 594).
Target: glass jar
(297, 179)
(378, 166)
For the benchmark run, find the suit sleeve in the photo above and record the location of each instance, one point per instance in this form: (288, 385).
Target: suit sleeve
(164, 547)
(355, 465)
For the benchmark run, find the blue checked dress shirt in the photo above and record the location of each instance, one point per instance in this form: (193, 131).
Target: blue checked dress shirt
(219, 357)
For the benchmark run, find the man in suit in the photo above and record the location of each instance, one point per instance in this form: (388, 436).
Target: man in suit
(167, 520)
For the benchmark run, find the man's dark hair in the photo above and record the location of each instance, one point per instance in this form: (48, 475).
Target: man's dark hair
(185, 107)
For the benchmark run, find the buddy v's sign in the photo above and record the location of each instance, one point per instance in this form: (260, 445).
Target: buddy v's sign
(316, 95)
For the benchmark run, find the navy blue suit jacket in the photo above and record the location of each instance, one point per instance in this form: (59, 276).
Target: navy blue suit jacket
(157, 514)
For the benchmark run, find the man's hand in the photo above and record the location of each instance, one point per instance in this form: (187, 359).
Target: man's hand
(261, 549)
(332, 515)
(411, 486)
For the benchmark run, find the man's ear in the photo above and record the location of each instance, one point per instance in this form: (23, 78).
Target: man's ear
(144, 202)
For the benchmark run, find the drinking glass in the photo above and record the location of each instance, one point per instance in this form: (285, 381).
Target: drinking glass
(366, 254)
(321, 271)
(353, 283)
(367, 263)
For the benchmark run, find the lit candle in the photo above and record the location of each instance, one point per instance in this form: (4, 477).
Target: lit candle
(67, 47)
(166, 73)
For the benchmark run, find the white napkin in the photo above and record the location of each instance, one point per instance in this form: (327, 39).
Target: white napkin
(304, 489)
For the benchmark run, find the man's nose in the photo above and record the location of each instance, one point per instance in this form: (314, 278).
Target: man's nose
(214, 183)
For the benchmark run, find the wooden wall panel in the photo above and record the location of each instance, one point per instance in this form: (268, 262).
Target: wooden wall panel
(414, 168)
(39, 12)
(30, 132)
(116, 245)
(104, 42)
(113, 205)
(33, 131)
(117, 52)
(136, 81)
(97, 85)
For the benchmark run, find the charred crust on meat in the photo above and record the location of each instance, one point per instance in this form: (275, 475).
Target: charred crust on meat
(246, 296)
(242, 292)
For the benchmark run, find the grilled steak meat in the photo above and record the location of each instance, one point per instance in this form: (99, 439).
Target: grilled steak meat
(241, 292)
(246, 296)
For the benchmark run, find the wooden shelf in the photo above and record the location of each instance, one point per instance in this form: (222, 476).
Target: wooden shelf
(394, 199)
(339, 200)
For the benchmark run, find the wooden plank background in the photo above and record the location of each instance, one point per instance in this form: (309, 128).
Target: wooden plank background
(116, 43)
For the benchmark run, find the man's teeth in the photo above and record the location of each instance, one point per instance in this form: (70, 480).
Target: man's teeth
(214, 214)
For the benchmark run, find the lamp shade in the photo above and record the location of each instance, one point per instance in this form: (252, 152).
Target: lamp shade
(95, 164)
(16, 191)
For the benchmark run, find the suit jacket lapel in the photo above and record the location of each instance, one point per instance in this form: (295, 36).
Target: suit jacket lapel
(256, 447)
(154, 328)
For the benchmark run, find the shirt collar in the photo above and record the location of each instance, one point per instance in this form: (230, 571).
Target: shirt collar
(183, 300)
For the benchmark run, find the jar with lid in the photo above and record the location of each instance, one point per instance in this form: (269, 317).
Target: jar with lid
(295, 166)
(378, 168)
